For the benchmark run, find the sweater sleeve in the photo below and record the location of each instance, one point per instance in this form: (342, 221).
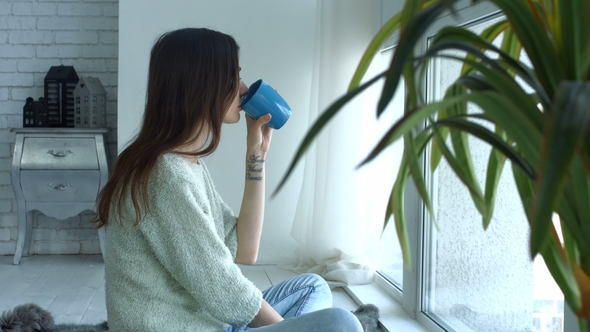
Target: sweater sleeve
(229, 219)
(181, 231)
(230, 227)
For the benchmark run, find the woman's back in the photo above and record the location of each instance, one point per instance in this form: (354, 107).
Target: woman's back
(175, 271)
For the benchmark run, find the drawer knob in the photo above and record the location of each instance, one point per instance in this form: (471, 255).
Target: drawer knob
(60, 154)
(60, 186)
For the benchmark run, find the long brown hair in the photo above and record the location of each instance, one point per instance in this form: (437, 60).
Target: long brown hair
(193, 78)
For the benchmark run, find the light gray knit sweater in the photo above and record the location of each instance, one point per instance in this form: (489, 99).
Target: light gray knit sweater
(175, 271)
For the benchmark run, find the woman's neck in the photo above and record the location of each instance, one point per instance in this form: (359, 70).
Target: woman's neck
(191, 147)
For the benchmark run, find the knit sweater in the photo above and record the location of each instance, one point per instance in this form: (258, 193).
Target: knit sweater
(175, 271)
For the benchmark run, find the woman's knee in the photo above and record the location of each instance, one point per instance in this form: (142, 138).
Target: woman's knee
(317, 281)
(321, 288)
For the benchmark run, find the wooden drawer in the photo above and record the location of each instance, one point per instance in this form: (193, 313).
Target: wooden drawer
(59, 153)
(60, 186)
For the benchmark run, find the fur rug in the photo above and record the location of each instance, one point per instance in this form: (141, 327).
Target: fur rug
(32, 318)
(368, 315)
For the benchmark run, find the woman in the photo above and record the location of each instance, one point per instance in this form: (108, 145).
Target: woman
(172, 243)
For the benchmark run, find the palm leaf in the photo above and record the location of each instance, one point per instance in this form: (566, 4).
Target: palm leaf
(455, 34)
(474, 82)
(396, 200)
(535, 41)
(551, 12)
(500, 110)
(585, 152)
(467, 180)
(493, 172)
(569, 218)
(374, 47)
(409, 121)
(463, 155)
(411, 8)
(416, 172)
(552, 256)
(525, 188)
(498, 79)
(409, 37)
(575, 38)
(392, 25)
(488, 35)
(583, 279)
(561, 273)
(435, 153)
(493, 139)
(570, 249)
(397, 207)
(509, 117)
(511, 45)
(578, 194)
(567, 125)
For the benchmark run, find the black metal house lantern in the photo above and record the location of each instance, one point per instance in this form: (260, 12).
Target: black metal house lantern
(60, 83)
(35, 113)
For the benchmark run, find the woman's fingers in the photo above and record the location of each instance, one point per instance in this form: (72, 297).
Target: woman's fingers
(264, 119)
(259, 135)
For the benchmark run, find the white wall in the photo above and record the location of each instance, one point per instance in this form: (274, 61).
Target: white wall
(276, 40)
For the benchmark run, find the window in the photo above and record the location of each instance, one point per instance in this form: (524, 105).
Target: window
(464, 278)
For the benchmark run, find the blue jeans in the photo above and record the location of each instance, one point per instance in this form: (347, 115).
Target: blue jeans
(305, 302)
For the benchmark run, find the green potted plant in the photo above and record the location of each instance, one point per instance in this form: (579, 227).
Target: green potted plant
(545, 133)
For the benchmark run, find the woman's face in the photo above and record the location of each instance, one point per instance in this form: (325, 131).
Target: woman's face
(233, 113)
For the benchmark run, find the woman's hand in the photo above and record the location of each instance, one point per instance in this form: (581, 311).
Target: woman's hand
(259, 135)
(267, 315)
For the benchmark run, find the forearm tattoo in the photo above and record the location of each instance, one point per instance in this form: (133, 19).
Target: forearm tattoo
(254, 167)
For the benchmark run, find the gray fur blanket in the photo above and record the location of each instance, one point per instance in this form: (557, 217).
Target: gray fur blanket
(32, 318)
(368, 315)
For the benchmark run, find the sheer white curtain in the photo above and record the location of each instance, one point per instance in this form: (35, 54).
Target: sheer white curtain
(339, 215)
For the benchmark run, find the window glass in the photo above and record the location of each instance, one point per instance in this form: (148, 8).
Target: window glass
(476, 279)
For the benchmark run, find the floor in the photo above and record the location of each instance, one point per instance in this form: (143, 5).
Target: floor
(71, 287)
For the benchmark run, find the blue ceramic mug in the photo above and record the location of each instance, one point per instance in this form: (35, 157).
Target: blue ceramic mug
(262, 99)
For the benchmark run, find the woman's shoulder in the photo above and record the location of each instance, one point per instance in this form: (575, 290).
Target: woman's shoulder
(177, 164)
(172, 168)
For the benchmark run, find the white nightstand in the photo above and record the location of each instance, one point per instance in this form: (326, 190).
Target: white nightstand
(59, 172)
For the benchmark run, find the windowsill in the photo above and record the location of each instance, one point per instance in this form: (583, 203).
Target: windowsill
(392, 315)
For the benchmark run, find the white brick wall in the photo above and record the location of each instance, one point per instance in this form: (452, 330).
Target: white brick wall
(35, 35)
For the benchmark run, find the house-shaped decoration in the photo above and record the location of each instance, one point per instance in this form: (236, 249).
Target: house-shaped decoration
(60, 83)
(35, 113)
(90, 104)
